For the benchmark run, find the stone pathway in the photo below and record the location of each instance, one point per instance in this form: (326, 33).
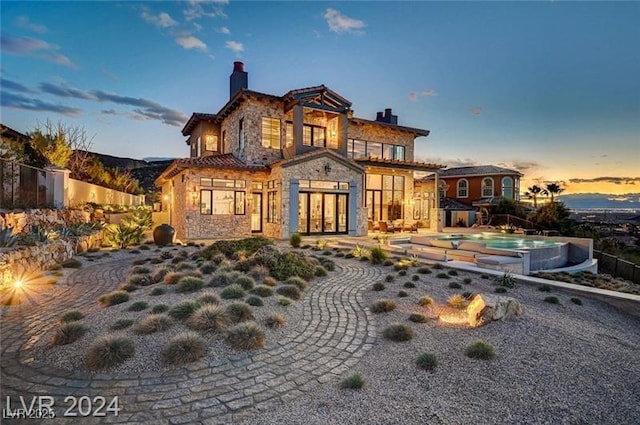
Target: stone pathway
(338, 331)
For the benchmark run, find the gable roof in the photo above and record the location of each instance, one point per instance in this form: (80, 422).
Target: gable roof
(316, 96)
(450, 204)
(316, 154)
(412, 130)
(227, 161)
(396, 163)
(195, 118)
(478, 170)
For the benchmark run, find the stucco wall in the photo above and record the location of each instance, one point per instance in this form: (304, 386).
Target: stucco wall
(475, 187)
(80, 191)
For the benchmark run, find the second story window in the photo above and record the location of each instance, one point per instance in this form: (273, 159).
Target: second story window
(487, 187)
(241, 133)
(463, 188)
(211, 142)
(271, 133)
(507, 187)
(314, 136)
(289, 135)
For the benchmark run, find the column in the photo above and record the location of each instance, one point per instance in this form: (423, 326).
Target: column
(294, 190)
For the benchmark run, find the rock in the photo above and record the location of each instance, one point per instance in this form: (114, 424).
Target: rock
(486, 308)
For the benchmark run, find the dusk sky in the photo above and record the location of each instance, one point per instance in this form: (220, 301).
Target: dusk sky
(550, 88)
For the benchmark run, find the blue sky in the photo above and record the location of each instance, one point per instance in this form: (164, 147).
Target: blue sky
(551, 88)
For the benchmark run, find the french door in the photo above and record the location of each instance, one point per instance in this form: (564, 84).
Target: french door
(256, 213)
(320, 213)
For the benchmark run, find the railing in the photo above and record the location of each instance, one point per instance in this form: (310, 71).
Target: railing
(617, 267)
(23, 186)
(511, 220)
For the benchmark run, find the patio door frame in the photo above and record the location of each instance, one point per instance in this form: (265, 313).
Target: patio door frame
(336, 213)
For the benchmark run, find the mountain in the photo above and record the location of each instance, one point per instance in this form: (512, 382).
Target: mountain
(605, 201)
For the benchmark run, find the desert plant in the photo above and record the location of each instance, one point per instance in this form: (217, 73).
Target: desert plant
(220, 279)
(68, 333)
(378, 286)
(452, 273)
(552, 300)
(409, 285)
(480, 350)
(71, 263)
(183, 266)
(417, 318)
(7, 238)
(172, 278)
(426, 361)
(544, 288)
(154, 323)
(467, 280)
(159, 308)
(289, 291)
(382, 306)
(320, 271)
(576, 301)
(424, 270)
(245, 282)
(500, 290)
(415, 277)
(209, 297)
(387, 263)
(378, 255)
(255, 301)
(239, 312)
(140, 270)
(443, 276)
(113, 298)
(140, 280)
(295, 240)
(425, 301)
(246, 336)
(184, 309)
(275, 320)
(157, 291)
(484, 276)
(109, 350)
(184, 348)
(454, 285)
(389, 278)
(122, 324)
(403, 294)
(263, 291)
(210, 318)
(457, 301)
(138, 306)
(398, 332)
(284, 301)
(294, 280)
(123, 235)
(507, 280)
(71, 316)
(208, 268)
(269, 281)
(232, 292)
(354, 381)
(189, 284)
(128, 287)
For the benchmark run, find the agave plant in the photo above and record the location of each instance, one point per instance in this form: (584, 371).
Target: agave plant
(38, 234)
(358, 251)
(123, 235)
(7, 238)
(507, 280)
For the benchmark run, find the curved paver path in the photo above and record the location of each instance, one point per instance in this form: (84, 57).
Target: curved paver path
(337, 331)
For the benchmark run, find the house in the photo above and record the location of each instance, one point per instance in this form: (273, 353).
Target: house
(300, 162)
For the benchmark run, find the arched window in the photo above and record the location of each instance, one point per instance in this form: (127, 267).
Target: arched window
(507, 187)
(463, 188)
(487, 187)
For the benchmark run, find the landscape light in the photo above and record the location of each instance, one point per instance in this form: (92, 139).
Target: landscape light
(17, 283)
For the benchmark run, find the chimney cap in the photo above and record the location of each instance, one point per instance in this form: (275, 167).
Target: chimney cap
(238, 66)
(387, 111)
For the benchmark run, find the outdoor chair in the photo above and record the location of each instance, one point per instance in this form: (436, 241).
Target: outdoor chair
(410, 226)
(386, 227)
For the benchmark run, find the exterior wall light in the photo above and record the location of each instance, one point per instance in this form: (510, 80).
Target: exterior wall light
(327, 168)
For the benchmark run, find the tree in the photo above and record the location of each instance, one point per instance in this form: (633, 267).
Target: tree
(62, 145)
(552, 189)
(507, 206)
(552, 216)
(533, 193)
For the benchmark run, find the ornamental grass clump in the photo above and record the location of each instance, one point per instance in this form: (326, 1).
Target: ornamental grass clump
(109, 350)
(122, 324)
(220, 279)
(424, 270)
(184, 309)
(255, 301)
(480, 350)
(403, 294)
(138, 306)
(275, 321)
(209, 297)
(263, 291)
(389, 278)
(398, 332)
(189, 284)
(500, 290)
(172, 278)
(320, 271)
(467, 280)
(246, 282)
(352, 382)
(68, 333)
(426, 361)
(409, 285)
(269, 281)
(153, 323)
(417, 318)
(113, 298)
(378, 286)
(159, 308)
(71, 316)
(415, 277)
(576, 301)
(289, 291)
(457, 301)
(454, 285)
(425, 301)
(443, 276)
(246, 336)
(382, 306)
(295, 240)
(212, 318)
(552, 300)
(544, 288)
(140, 270)
(140, 280)
(378, 255)
(239, 312)
(128, 287)
(284, 301)
(232, 292)
(71, 263)
(157, 291)
(186, 347)
(295, 280)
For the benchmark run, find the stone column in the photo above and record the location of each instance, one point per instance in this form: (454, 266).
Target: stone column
(352, 225)
(294, 190)
(342, 134)
(298, 123)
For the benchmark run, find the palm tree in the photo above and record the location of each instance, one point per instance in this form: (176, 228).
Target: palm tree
(552, 189)
(533, 193)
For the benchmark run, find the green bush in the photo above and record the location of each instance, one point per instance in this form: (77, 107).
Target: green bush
(544, 288)
(378, 255)
(184, 348)
(263, 291)
(454, 285)
(128, 287)
(109, 350)
(275, 320)
(71, 263)
(295, 240)
(71, 316)
(284, 301)
(140, 270)
(289, 291)
(418, 318)
(437, 266)
(113, 298)
(378, 286)
(210, 318)
(123, 234)
(409, 285)
(292, 264)
(506, 280)
(352, 382)
(209, 297)
(153, 323)
(239, 312)
(232, 292)
(415, 277)
(159, 308)
(189, 284)
(138, 306)
(184, 309)
(389, 278)
(484, 276)
(425, 301)
(443, 276)
(182, 267)
(382, 306)
(208, 268)
(426, 361)
(230, 248)
(467, 280)
(402, 273)
(452, 273)
(576, 301)
(157, 291)
(68, 333)
(424, 270)
(220, 279)
(246, 336)
(387, 263)
(403, 294)
(398, 332)
(295, 280)
(552, 300)
(480, 350)
(320, 271)
(255, 301)
(500, 290)
(122, 324)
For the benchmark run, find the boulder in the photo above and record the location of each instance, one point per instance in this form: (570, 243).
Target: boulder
(485, 308)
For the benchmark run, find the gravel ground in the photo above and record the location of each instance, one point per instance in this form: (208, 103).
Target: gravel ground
(555, 364)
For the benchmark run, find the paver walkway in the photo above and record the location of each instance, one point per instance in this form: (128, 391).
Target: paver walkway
(338, 331)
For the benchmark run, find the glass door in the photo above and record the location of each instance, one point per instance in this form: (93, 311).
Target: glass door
(303, 213)
(374, 204)
(329, 222)
(342, 213)
(256, 213)
(315, 208)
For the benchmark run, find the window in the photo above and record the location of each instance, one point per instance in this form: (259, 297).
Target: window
(374, 150)
(507, 187)
(271, 133)
(198, 147)
(387, 151)
(272, 207)
(241, 133)
(359, 149)
(385, 196)
(323, 185)
(313, 135)
(223, 183)
(463, 188)
(289, 135)
(221, 202)
(399, 153)
(256, 185)
(487, 187)
(211, 142)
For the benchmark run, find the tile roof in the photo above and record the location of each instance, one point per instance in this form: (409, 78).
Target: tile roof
(416, 131)
(318, 152)
(453, 205)
(195, 118)
(421, 166)
(477, 170)
(227, 161)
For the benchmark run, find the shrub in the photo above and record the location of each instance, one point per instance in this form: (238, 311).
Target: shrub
(424, 270)
(349, 255)
(210, 318)
(576, 301)
(140, 270)
(398, 332)
(352, 382)
(122, 324)
(113, 298)
(258, 272)
(457, 301)
(290, 291)
(185, 267)
(263, 291)
(402, 273)
(159, 274)
(378, 255)
(295, 240)
(452, 273)
(284, 301)
(378, 286)
(437, 266)
(220, 279)
(255, 301)
(500, 290)
(208, 268)
(245, 282)
(552, 300)
(68, 333)
(153, 323)
(425, 301)
(275, 320)
(409, 285)
(159, 308)
(209, 298)
(403, 294)
(172, 278)
(157, 291)
(269, 281)
(387, 263)
(484, 276)
(239, 312)
(506, 280)
(232, 292)
(71, 263)
(230, 248)
(415, 278)
(184, 348)
(443, 276)
(389, 278)
(128, 287)
(292, 264)
(467, 280)
(426, 361)
(382, 306)
(364, 258)
(246, 336)
(454, 285)
(109, 350)
(189, 284)
(294, 280)
(71, 316)
(544, 288)
(140, 280)
(140, 262)
(417, 318)
(401, 265)
(166, 255)
(468, 295)
(138, 306)
(320, 271)
(480, 350)
(184, 309)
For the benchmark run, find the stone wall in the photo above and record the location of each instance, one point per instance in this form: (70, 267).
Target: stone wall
(20, 221)
(382, 134)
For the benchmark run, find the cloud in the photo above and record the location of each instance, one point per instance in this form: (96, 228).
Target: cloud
(340, 23)
(109, 75)
(521, 166)
(234, 46)
(476, 110)
(27, 46)
(25, 23)
(61, 60)
(162, 20)
(64, 90)
(17, 101)
(14, 86)
(190, 42)
(224, 30)
(413, 96)
(614, 180)
(429, 93)
(204, 8)
(449, 162)
(109, 112)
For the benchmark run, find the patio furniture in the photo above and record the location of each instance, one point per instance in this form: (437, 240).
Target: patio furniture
(386, 227)
(373, 227)
(410, 226)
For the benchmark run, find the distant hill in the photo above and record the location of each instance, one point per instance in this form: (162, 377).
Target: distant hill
(579, 201)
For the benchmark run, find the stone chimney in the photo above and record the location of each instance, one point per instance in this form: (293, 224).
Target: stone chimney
(238, 80)
(388, 117)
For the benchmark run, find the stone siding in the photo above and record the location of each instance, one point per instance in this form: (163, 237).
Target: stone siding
(20, 221)
(377, 133)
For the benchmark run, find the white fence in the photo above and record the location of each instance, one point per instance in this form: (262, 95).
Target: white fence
(79, 191)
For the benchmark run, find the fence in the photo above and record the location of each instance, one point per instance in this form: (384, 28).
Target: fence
(24, 186)
(617, 267)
